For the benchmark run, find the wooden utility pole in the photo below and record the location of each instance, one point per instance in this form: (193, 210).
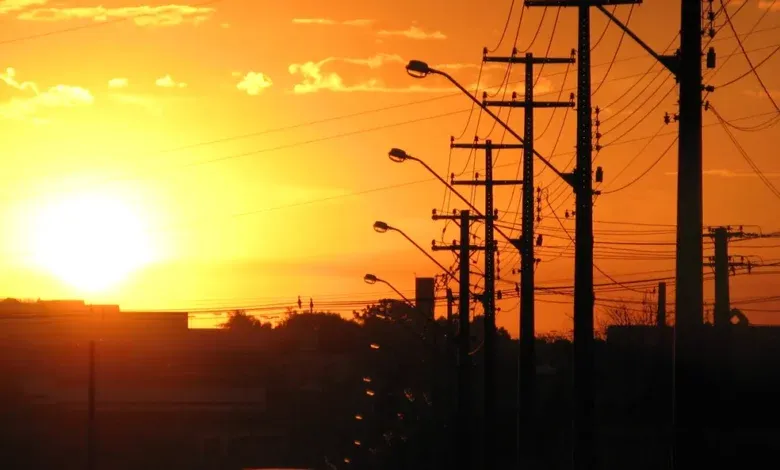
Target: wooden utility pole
(660, 314)
(723, 263)
(465, 409)
(489, 296)
(91, 409)
(527, 354)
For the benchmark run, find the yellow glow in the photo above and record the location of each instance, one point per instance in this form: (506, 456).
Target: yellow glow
(91, 242)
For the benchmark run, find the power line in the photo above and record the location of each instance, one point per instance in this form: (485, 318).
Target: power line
(747, 56)
(745, 155)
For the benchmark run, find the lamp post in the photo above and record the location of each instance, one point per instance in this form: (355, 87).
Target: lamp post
(371, 279)
(382, 227)
(420, 69)
(399, 156)
(580, 180)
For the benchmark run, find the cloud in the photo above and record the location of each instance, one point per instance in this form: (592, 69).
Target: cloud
(413, 32)
(144, 15)
(58, 96)
(7, 6)
(315, 79)
(168, 82)
(767, 4)
(329, 22)
(118, 83)
(254, 82)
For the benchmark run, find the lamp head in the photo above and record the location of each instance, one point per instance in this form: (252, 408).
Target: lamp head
(417, 69)
(370, 279)
(381, 227)
(398, 155)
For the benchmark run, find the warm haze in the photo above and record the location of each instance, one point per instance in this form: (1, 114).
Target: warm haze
(186, 156)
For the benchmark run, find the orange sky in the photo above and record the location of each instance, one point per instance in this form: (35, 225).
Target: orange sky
(151, 109)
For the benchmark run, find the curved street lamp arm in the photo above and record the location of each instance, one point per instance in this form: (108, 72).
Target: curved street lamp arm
(476, 211)
(567, 178)
(445, 183)
(447, 271)
(409, 302)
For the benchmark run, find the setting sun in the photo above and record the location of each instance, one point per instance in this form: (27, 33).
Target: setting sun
(90, 242)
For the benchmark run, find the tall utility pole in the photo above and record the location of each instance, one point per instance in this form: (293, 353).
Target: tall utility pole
(660, 314)
(489, 300)
(91, 407)
(723, 263)
(689, 298)
(527, 354)
(465, 403)
(583, 244)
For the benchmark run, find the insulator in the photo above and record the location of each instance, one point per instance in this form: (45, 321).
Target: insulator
(711, 58)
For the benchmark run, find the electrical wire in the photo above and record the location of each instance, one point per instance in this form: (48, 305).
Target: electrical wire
(747, 56)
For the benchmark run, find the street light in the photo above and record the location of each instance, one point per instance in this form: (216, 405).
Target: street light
(372, 279)
(382, 227)
(398, 155)
(420, 69)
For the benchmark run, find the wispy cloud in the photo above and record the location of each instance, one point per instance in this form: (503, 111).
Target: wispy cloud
(764, 4)
(314, 78)
(143, 15)
(58, 96)
(8, 6)
(118, 83)
(253, 83)
(329, 22)
(168, 82)
(413, 32)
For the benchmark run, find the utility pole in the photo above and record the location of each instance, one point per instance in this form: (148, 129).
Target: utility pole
(660, 313)
(527, 354)
(91, 407)
(723, 263)
(465, 402)
(583, 244)
(489, 300)
(686, 66)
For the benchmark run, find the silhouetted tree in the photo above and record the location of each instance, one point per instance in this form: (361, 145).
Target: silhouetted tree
(241, 321)
(643, 314)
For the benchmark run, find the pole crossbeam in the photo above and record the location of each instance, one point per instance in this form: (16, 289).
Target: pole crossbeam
(483, 183)
(525, 60)
(436, 216)
(457, 247)
(532, 104)
(485, 146)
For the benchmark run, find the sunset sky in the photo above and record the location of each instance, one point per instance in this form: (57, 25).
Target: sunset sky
(234, 152)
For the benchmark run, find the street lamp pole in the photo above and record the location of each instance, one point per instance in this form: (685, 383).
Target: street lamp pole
(371, 279)
(382, 227)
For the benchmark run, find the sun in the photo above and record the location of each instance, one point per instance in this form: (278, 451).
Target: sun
(91, 242)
